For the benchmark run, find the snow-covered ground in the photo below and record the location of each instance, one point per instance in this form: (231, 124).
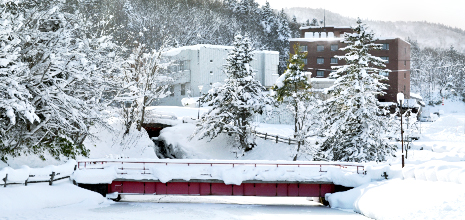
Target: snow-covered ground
(66, 201)
(429, 187)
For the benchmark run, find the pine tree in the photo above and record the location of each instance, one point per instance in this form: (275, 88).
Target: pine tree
(354, 124)
(235, 102)
(294, 90)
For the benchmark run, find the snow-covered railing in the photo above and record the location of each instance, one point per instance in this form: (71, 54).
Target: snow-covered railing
(26, 175)
(227, 171)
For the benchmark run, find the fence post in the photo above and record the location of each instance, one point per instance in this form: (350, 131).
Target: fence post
(266, 134)
(5, 179)
(51, 178)
(289, 140)
(276, 138)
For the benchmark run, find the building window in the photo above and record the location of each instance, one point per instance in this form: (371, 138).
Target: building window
(183, 89)
(320, 48)
(385, 59)
(385, 47)
(405, 62)
(303, 49)
(333, 60)
(405, 50)
(171, 90)
(405, 75)
(320, 73)
(404, 89)
(305, 61)
(384, 73)
(184, 65)
(320, 60)
(334, 47)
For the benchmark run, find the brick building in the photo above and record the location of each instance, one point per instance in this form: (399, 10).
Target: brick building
(323, 44)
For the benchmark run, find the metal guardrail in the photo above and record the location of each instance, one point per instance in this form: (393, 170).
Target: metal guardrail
(144, 168)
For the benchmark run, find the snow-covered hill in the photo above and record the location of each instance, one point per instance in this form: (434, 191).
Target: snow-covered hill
(427, 34)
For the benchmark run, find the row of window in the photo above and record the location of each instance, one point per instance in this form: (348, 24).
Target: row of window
(335, 47)
(321, 73)
(334, 60)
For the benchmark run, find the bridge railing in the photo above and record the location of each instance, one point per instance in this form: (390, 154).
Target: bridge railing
(144, 167)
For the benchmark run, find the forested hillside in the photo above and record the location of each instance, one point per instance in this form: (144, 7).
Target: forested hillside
(425, 33)
(190, 22)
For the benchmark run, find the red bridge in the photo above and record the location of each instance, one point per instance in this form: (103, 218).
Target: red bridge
(200, 177)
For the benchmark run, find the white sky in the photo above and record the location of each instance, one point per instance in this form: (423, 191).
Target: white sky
(448, 12)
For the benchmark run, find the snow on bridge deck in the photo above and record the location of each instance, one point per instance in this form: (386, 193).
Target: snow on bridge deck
(227, 171)
(219, 177)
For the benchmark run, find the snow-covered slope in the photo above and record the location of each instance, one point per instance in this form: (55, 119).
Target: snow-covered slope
(428, 34)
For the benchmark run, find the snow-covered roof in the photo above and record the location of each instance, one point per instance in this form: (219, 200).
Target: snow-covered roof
(315, 39)
(416, 96)
(322, 80)
(327, 26)
(176, 51)
(410, 103)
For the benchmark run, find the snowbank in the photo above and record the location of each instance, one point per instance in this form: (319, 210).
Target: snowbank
(34, 174)
(17, 198)
(105, 140)
(404, 199)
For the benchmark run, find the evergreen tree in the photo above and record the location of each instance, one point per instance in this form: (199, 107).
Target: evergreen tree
(294, 90)
(354, 124)
(235, 102)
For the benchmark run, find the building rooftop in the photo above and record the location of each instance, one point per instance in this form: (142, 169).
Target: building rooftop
(176, 51)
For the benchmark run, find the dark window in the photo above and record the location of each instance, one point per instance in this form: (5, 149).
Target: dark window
(405, 75)
(305, 61)
(385, 46)
(405, 62)
(320, 73)
(183, 89)
(320, 60)
(320, 48)
(404, 89)
(211, 61)
(334, 47)
(303, 48)
(171, 90)
(333, 60)
(385, 59)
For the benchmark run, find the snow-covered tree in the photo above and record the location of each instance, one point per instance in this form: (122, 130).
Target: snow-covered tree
(354, 124)
(15, 105)
(145, 81)
(293, 89)
(235, 102)
(64, 77)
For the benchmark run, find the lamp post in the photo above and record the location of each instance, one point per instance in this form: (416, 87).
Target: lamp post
(200, 95)
(400, 99)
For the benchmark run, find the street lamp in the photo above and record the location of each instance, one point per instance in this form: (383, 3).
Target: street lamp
(200, 95)
(400, 99)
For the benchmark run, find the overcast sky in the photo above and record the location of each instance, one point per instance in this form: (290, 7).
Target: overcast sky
(448, 12)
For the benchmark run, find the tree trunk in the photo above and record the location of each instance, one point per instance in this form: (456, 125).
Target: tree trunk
(139, 126)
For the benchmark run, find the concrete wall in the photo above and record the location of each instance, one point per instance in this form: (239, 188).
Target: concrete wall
(206, 63)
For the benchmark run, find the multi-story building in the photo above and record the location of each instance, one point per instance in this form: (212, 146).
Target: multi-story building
(202, 65)
(323, 44)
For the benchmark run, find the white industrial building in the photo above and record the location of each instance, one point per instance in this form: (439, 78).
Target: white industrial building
(202, 65)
